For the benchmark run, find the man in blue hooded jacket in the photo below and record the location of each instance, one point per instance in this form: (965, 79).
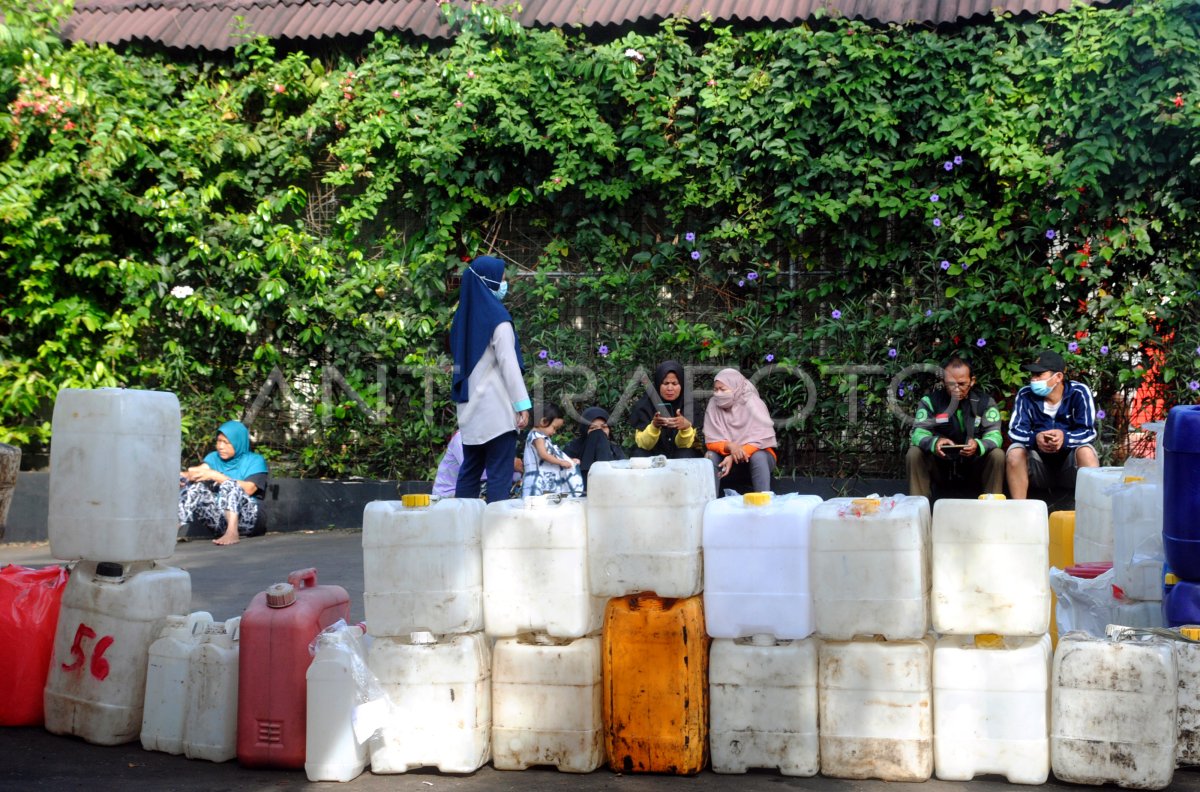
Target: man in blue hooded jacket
(1052, 428)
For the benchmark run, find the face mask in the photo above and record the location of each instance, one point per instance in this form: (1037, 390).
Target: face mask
(1041, 387)
(724, 399)
(502, 291)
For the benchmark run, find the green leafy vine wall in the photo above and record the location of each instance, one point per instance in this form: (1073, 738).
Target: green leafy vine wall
(279, 235)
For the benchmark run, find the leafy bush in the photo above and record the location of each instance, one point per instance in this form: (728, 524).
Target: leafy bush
(280, 236)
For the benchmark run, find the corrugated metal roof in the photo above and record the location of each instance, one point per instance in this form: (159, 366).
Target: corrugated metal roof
(213, 24)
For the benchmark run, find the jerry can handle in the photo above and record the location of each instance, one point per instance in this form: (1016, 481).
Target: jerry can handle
(303, 578)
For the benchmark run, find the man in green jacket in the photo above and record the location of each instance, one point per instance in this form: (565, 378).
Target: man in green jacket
(957, 436)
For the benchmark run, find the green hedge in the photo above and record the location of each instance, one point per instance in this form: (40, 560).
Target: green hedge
(843, 200)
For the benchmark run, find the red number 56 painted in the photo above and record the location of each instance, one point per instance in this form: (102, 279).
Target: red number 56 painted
(98, 666)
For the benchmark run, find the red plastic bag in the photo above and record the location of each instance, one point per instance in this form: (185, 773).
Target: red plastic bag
(29, 603)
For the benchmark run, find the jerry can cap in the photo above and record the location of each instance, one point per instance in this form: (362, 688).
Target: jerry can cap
(1191, 631)
(989, 641)
(1133, 479)
(280, 595)
(109, 569)
(414, 500)
(992, 496)
(861, 506)
(1170, 579)
(756, 498)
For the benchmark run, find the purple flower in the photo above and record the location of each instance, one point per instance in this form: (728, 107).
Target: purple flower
(960, 217)
(769, 357)
(937, 222)
(957, 159)
(893, 352)
(964, 266)
(981, 342)
(945, 265)
(948, 165)
(1198, 350)
(1101, 415)
(1072, 347)
(1194, 385)
(935, 198)
(751, 275)
(1050, 234)
(690, 236)
(695, 255)
(836, 314)
(1104, 350)
(603, 350)
(742, 282)
(900, 392)
(929, 312)
(543, 354)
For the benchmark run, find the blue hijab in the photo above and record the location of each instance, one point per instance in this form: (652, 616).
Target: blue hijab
(479, 312)
(244, 463)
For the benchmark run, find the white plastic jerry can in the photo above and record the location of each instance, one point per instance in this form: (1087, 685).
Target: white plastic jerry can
(876, 702)
(546, 703)
(870, 567)
(535, 571)
(441, 695)
(990, 708)
(165, 709)
(423, 566)
(110, 615)
(645, 518)
(210, 729)
(763, 705)
(756, 566)
(1187, 662)
(108, 506)
(332, 751)
(1093, 512)
(1137, 510)
(990, 562)
(1114, 711)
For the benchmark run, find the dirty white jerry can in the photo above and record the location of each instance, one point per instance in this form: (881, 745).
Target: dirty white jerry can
(990, 558)
(535, 570)
(210, 728)
(990, 708)
(332, 752)
(870, 567)
(645, 518)
(441, 694)
(1113, 714)
(546, 703)
(1093, 512)
(876, 709)
(762, 705)
(756, 565)
(165, 706)
(110, 615)
(1137, 509)
(423, 566)
(114, 475)
(1187, 663)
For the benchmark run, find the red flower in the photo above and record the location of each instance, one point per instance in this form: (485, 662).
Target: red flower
(1080, 335)
(705, 343)
(1178, 100)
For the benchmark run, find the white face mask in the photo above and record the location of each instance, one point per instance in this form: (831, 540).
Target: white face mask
(724, 399)
(500, 291)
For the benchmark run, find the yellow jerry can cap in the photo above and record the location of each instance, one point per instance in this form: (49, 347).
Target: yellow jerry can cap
(992, 496)
(989, 641)
(756, 498)
(1190, 631)
(1170, 579)
(1132, 479)
(415, 500)
(861, 506)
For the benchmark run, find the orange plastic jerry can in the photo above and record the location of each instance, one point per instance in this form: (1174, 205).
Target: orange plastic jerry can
(655, 672)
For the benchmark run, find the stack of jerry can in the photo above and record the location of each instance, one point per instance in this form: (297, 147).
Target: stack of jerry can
(762, 667)
(114, 489)
(1181, 504)
(644, 524)
(423, 595)
(991, 665)
(545, 622)
(870, 584)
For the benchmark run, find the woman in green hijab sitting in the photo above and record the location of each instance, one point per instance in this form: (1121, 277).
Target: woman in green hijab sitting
(223, 491)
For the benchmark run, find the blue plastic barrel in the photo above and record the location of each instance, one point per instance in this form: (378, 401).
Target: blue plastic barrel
(1181, 603)
(1181, 491)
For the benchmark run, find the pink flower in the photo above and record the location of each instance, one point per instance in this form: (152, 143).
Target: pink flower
(279, 88)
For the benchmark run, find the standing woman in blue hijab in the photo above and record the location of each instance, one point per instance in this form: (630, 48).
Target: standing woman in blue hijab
(223, 491)
(487, 386)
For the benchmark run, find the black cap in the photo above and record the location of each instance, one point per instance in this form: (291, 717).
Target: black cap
(1046, 361)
